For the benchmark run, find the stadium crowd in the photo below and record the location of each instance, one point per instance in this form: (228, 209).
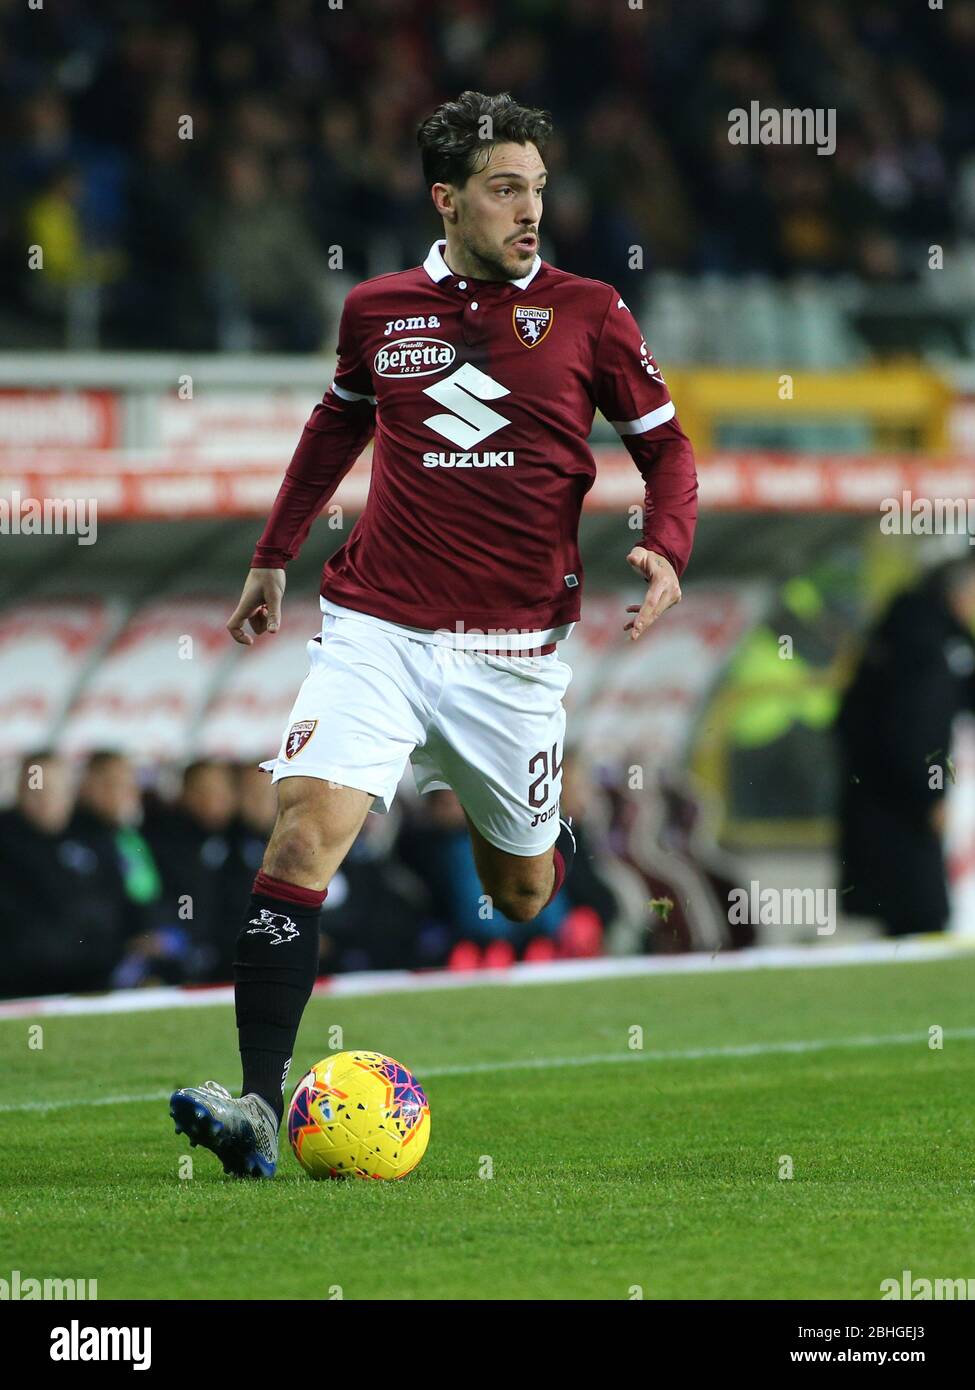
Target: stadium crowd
(106, 884)
(181, 202)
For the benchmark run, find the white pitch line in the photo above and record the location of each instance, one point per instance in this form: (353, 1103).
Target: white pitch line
(372, 983)
(593, 1059)
(43, 1107)
(698, 1054)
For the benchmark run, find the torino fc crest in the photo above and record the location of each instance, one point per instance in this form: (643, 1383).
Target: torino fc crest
(298, 736)
(531, 324)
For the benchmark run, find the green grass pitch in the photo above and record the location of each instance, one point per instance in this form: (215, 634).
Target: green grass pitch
(614, 1170)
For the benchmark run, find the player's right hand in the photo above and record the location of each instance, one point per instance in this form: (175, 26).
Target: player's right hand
(259, 606)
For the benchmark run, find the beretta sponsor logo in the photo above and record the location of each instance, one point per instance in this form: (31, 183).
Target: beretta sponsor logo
(413, 357)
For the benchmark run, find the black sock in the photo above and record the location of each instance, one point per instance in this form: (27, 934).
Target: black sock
(276, 966)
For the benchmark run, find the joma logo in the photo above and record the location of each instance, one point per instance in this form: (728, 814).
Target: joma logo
(412, 325)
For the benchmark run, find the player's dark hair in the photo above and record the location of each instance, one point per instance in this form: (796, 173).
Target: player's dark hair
(199, 765)
(39, 755)
(456, 141)
(29, 760)
(103, 757)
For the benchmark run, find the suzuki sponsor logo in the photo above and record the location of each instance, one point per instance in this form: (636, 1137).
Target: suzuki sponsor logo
(413, 357)
(463, 393)
(504, 459)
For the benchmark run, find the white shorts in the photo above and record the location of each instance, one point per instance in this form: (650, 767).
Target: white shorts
(491, 728)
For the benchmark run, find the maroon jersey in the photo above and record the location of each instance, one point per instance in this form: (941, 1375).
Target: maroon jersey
(481, 396)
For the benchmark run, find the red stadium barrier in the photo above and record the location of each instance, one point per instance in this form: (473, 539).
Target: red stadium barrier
(162, 485)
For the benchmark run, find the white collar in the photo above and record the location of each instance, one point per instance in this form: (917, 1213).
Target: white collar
(438, 269)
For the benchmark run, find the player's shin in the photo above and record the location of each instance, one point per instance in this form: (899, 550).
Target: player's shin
(276, 965)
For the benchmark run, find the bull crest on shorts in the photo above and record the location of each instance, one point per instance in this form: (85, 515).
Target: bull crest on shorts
(531, 324)
(298, 736)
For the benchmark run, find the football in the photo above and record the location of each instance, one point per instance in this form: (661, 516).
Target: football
(358, 1115)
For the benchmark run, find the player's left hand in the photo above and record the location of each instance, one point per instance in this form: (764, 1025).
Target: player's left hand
(663, 589)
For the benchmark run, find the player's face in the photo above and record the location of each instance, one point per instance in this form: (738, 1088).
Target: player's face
(498, 213)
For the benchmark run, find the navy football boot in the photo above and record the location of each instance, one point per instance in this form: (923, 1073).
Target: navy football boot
(243, 1133)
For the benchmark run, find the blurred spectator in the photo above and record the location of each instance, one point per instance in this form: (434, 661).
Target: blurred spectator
(53, 223)
(917, 673)
(374, 915)
(265, 270)
(159, 302)
(437, 848)
(66, 918)
(116, 900)
(53, 931)
(256, 809)
(192, 845)
(303, 140)
(105, 826)
(70, 267)
(594, 901)
(783, 706)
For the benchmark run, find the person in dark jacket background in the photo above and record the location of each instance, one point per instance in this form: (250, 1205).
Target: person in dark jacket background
(106, 826)
(895, 726)
(76, 891)
(58, 930)
(192, 845)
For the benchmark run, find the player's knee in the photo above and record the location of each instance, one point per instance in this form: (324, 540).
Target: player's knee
(296, 846)
(520, 902)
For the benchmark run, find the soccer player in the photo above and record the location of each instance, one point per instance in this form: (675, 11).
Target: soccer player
(478, 374)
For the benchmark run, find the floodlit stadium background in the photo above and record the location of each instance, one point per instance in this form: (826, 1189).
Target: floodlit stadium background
(206, 182)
